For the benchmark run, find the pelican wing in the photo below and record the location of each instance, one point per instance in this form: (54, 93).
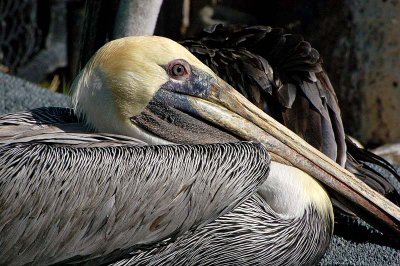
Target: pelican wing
(71, 202)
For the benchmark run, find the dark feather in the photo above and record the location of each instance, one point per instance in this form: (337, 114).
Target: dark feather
(358, 163)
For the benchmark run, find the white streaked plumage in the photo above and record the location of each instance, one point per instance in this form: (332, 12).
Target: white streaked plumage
(80, 197)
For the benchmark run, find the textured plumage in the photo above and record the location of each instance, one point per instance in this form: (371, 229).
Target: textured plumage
(143, 203)
(252, 234)
(85, 176)
(77, 193)
(282, 74)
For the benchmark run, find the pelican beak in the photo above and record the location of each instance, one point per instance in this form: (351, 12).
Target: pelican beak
(228, 108)
(234, 118)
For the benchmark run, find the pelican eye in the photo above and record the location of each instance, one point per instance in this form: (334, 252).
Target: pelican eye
(178, 69)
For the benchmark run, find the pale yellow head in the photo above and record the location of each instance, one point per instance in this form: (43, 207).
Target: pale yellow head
(122, 77)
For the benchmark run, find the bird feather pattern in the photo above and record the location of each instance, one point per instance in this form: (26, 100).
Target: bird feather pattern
(80, 190)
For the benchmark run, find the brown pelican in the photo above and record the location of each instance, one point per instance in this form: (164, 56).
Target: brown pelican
(74, 204)
(278, 72)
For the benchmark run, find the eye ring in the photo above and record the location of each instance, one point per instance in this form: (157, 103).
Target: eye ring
(178, 69)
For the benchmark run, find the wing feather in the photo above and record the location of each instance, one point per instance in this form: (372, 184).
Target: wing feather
(64, 194)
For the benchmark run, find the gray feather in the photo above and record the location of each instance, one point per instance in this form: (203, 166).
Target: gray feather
(64, 191)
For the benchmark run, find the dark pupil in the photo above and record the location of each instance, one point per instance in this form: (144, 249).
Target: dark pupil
(178, 70)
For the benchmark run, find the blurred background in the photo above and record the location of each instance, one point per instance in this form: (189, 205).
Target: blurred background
(359, 40)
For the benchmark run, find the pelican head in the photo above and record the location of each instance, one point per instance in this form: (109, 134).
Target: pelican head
(125, 75)
(153, 89)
